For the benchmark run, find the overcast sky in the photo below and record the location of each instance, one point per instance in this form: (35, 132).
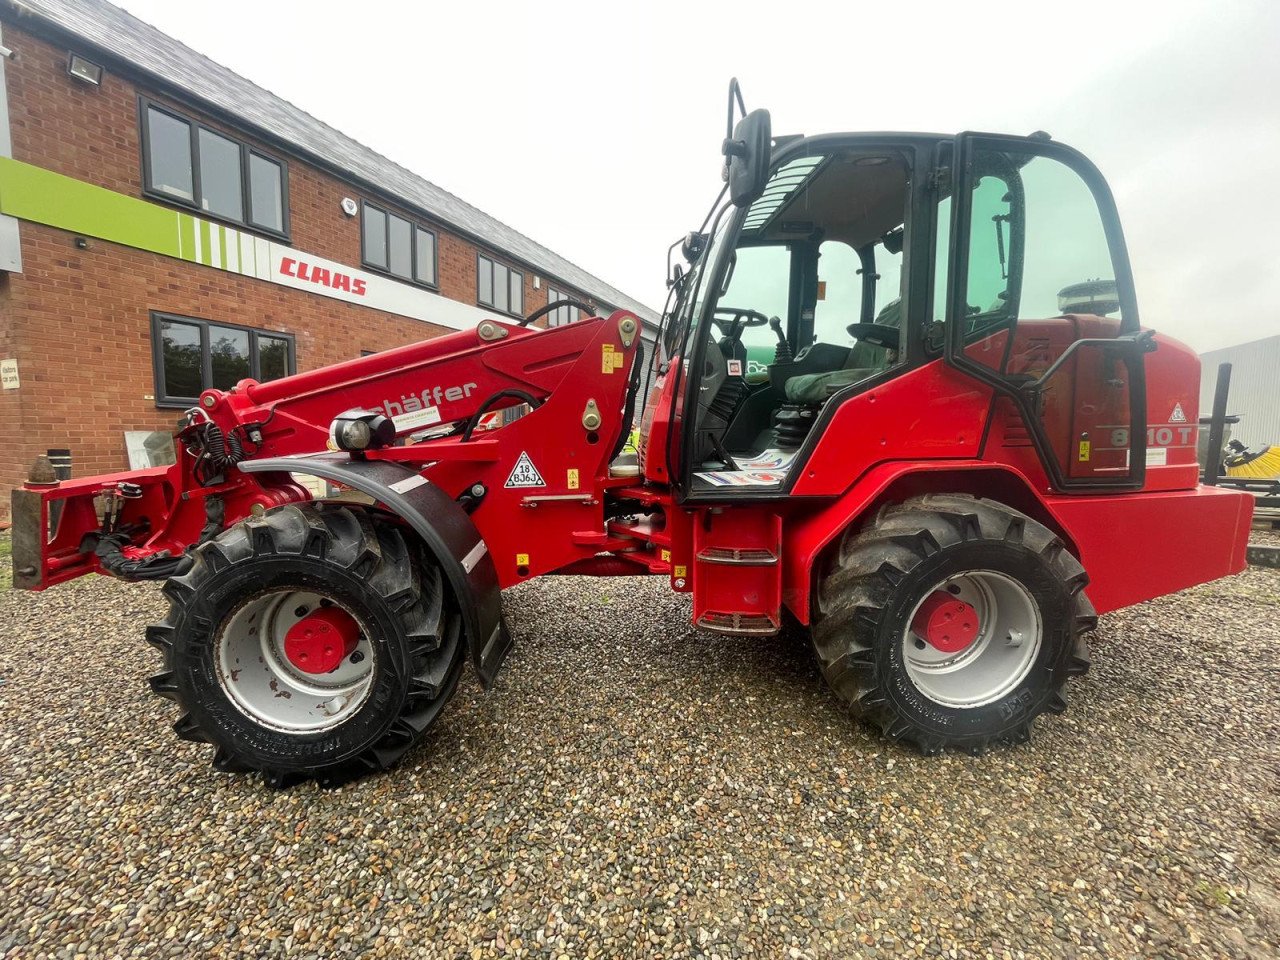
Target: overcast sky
(595, 129)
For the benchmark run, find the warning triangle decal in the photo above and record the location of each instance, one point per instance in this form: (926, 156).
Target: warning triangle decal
(1177, 416)
(525, 474)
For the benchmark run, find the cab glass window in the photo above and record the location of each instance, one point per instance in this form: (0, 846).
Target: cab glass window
(1037, 250)
(887, 263)
(839, 301)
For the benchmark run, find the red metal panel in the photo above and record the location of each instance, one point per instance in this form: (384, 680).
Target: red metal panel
(1134, 546)
(529, 530)
(1139, 546)
(930, 412)
(806, 536)
(723, 584)
(657, 426)
(1173, 387)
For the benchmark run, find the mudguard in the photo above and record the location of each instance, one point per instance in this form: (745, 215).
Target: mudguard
(445, 529)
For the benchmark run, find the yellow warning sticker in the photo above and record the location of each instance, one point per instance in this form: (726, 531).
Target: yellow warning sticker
(617, 360)
(522, 559)
(573, 478)
(606, 358)
(666, 556)
(680, 571)
(1084, 451)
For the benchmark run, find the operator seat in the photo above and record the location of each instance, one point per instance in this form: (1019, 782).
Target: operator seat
(864, 360)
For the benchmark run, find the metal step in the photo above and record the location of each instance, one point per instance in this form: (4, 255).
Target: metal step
(749, 557)
(737, 624)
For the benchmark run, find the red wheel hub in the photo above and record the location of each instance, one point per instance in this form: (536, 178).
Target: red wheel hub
(321, 640)
(946, 622)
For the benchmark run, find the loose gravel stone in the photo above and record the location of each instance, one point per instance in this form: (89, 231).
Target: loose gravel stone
(636, 788)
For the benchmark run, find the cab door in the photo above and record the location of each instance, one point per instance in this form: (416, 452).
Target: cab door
(1040, 305)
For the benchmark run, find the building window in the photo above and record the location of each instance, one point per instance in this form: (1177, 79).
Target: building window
(190, 356)
(499, 287)
(189, 164)
(561, 315)
(391, 244)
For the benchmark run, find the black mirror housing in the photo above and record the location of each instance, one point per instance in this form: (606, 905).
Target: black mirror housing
(693, 245)
(747, 155)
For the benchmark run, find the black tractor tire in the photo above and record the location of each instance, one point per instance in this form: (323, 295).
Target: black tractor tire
(352, 558)
(878, 575)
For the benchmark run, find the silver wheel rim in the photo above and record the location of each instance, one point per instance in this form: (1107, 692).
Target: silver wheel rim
(999, 657)
(259, 680)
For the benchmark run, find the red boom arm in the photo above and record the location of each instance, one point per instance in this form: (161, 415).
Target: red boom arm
(570, 371)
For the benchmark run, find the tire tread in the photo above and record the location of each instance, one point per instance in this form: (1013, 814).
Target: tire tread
(376, 551)
(868, 564)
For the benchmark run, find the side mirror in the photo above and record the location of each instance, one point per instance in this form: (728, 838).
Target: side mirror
(747, 155)
(693, 245)
(747, 149)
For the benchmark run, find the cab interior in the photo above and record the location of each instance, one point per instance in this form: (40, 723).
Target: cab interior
(810, 305)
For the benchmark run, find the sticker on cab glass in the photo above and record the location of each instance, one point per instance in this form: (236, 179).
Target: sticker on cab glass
(735, 368)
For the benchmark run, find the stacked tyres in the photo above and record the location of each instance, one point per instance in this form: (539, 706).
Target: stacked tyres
(314, 642)
(952, 622)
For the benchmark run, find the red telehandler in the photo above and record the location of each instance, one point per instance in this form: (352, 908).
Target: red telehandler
(900, 396)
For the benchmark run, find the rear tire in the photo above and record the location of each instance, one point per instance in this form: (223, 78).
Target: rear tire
(222, 646)
(1025, 586)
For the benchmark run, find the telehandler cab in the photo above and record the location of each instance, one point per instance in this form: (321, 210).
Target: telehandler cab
(901, 396)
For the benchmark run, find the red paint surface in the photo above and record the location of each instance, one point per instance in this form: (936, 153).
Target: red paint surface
(321, 640)
(945, 622)
(932, 412)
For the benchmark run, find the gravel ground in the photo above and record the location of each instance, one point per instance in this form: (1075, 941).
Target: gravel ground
(1267, 536)
(634, 788)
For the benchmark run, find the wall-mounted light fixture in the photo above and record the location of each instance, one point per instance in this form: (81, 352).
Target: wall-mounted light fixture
(86, 70)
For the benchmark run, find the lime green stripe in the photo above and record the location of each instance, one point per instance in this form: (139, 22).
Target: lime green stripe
(39, 195)
(206, 245)
(42, 196)
(187, 230)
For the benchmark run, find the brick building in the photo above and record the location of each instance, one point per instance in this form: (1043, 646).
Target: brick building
(166, 225)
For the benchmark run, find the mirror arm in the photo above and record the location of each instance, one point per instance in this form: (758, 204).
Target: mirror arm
(735, 91)
(732, 148)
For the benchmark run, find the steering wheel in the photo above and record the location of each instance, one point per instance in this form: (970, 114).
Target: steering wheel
(880, 334)
(737, 319)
